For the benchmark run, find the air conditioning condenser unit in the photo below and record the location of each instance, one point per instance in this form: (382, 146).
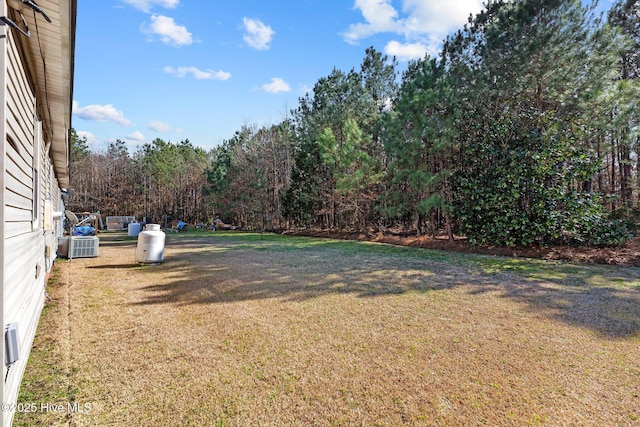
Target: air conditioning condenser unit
(83, 246)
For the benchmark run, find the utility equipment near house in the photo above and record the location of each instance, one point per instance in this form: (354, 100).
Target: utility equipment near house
(78, 247)
(150, 247)
(82, 224)
(11, 344)
(93, 219)
(50, 215)
(134, 229)
(83, 246)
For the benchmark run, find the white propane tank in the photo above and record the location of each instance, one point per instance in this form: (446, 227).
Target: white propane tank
(133, 229)
(150, 246)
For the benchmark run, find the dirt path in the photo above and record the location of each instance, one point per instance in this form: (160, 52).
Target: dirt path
(232, 331)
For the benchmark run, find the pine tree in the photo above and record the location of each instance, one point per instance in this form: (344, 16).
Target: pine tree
(420, 144)
(523, 134)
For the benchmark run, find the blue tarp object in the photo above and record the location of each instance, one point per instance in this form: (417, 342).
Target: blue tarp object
(84, 230)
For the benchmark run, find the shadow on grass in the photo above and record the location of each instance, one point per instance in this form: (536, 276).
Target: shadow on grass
(115, 266)
(233, 268)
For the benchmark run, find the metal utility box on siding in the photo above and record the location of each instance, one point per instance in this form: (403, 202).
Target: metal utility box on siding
(11, 343)
(63, 247)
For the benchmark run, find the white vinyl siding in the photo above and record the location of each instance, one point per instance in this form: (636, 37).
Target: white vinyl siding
(19, 180)
(36, 80)
(24, 269)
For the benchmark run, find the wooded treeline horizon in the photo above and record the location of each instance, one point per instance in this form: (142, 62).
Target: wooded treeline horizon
(524, 130)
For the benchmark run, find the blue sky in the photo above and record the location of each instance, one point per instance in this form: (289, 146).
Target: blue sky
(199, 70)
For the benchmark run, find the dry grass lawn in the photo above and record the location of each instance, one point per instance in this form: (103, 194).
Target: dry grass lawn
(235, 330)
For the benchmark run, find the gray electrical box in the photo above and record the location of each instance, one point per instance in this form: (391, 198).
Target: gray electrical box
(11, 344)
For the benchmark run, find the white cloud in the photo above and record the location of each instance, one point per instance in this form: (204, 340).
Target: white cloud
(170, 33)
(405, 52)
(423, 22)
(438, 16)
(136, 136)
(146, 5)
(158, 126)
(257, 34)
(100, 113)
(277, 85)
(92, 140)
(381, 17)
(197, 73)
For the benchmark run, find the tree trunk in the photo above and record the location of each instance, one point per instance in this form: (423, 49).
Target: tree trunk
(448, 226)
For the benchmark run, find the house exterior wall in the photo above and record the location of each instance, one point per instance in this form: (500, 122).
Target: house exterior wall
(29, 183)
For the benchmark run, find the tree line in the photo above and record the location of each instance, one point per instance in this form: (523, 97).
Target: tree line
(160, 179)
(523, 130)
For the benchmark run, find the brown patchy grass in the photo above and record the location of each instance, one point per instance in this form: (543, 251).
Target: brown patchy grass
(232, 330)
